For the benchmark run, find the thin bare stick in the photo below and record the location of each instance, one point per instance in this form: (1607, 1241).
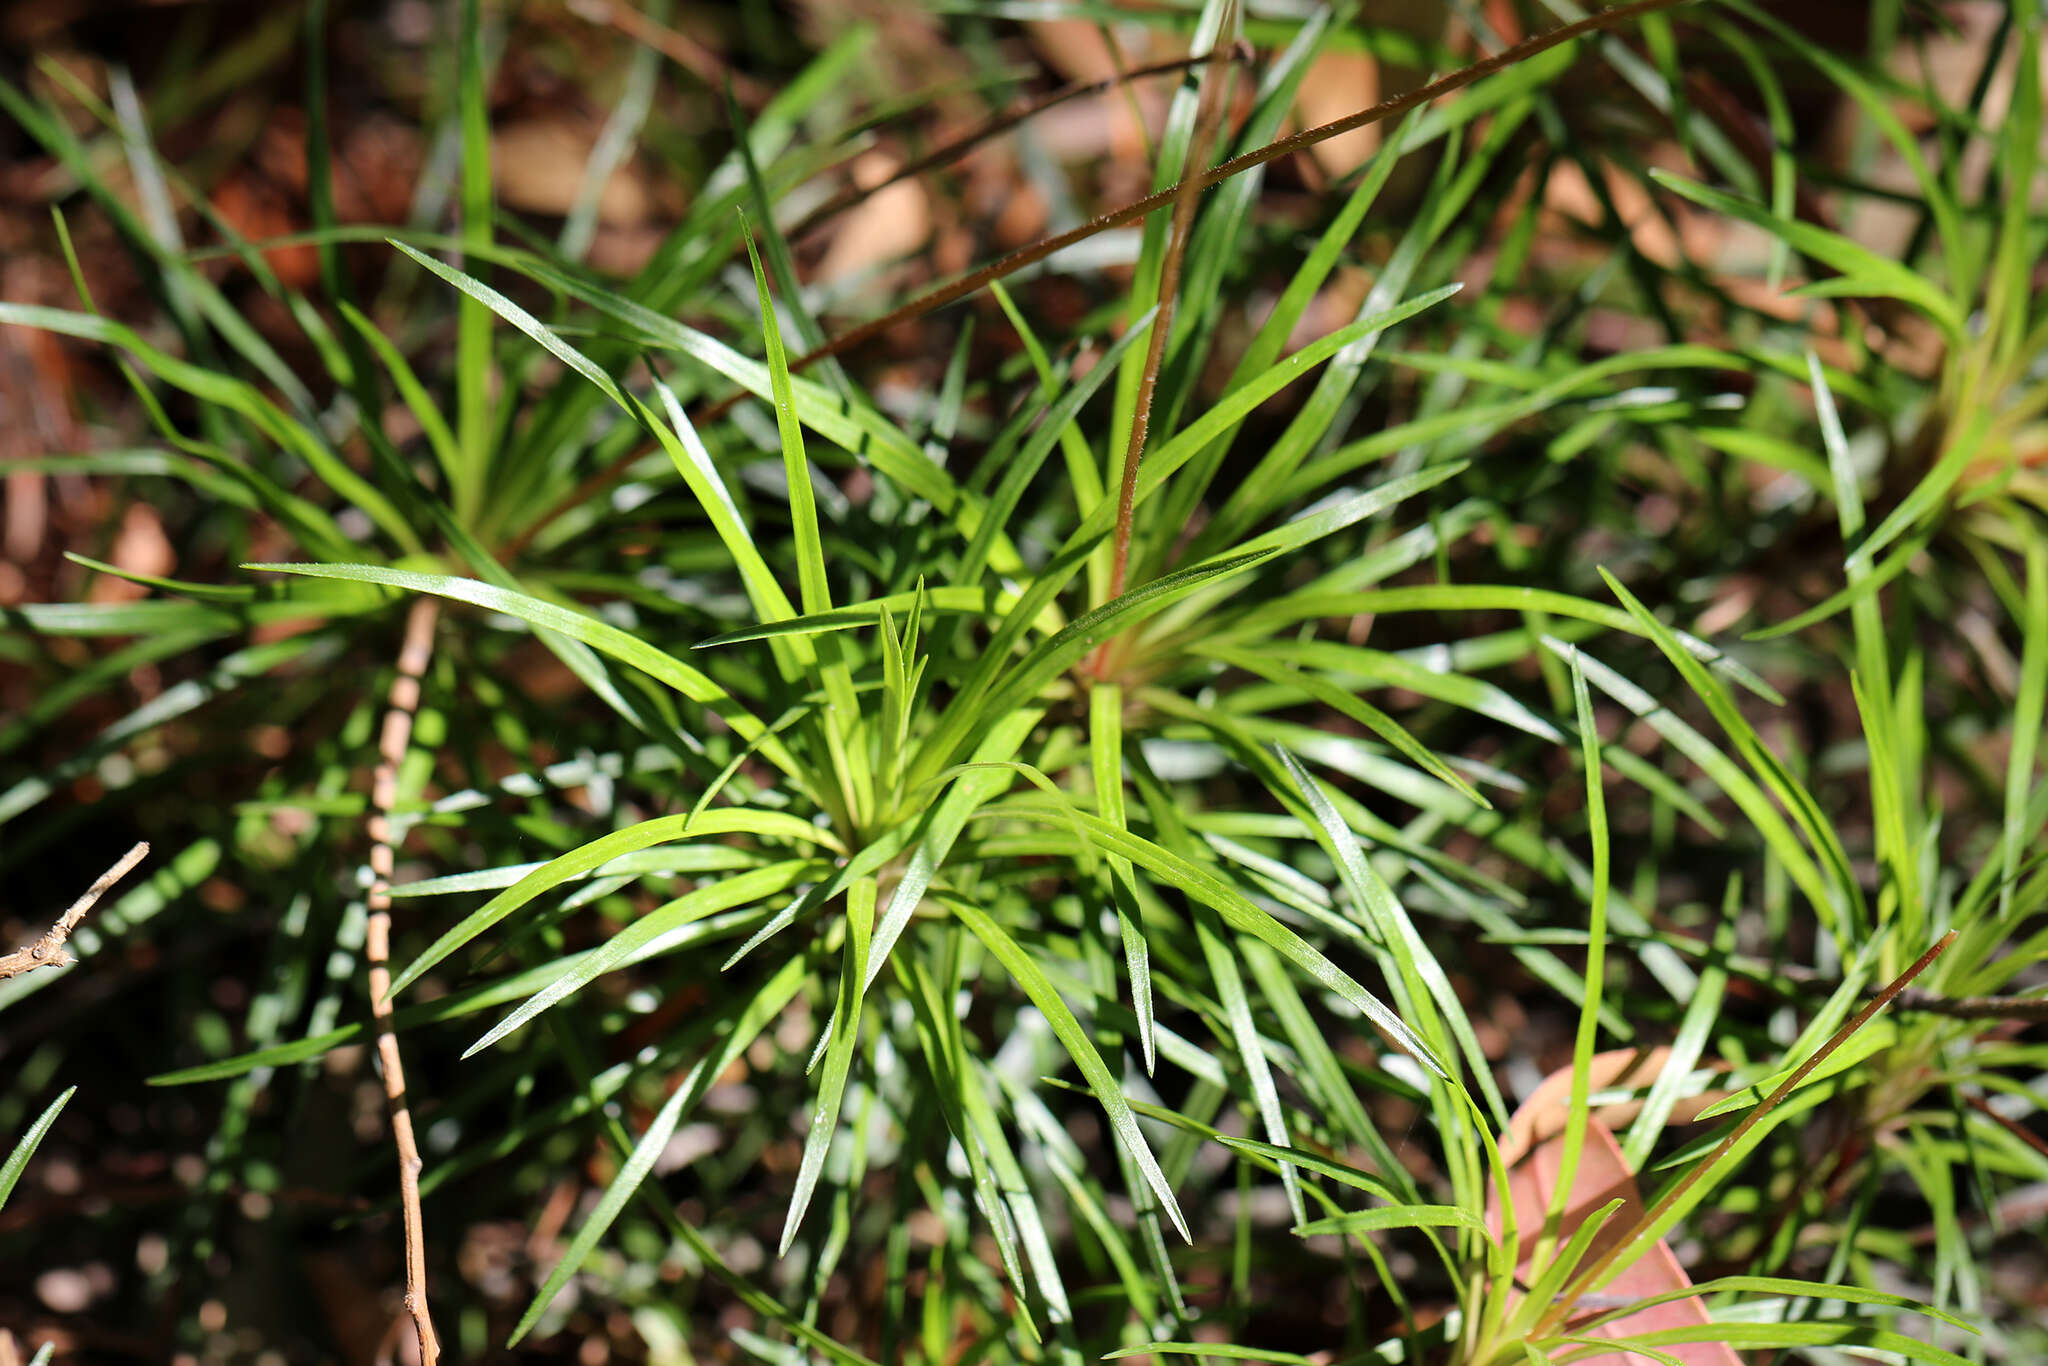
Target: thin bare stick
(2027, 1009)
(2011, 1126)
(854, 194)
(2030, 1008)
(413, 654)
(1215, 175)
(687, 53)
(49, 951)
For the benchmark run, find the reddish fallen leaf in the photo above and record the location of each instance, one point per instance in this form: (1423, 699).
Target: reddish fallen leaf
(538, 165)
(1544, 1113)
(258, 210)
(1535, 1135)
(140, 547)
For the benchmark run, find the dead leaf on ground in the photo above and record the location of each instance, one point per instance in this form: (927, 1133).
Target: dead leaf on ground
(538, 166)
(1534, 1149)
(140, 547)
(1542, 1116)
(1339, 84)
(891, 223)
(1603, 1176)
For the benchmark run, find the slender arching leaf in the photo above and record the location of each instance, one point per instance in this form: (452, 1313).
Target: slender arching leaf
(1063, 650)
(845, 1036)
(1219, 1351)
(620, 645)
(1105, 747)
(741, 889)
(17, 1160)
(638, 1164)
(1423, 976)
(774, 825)
(1866, 272)
(1043, 995)
(1394, 1216)
(1241, 913)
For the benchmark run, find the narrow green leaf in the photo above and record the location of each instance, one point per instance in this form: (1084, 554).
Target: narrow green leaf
(17, 1160)
(1218, 1350)
(860, 921)
(603, 636)
(1422, 976)
(1871, 273)
(1105, 750)
(1240, 913)
(742, 889)
(1394, 1216)
(1079, 1048)
(637, 1166)
(775, 825)
(1578, 1110)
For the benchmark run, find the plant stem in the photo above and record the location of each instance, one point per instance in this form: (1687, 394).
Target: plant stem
(686, 52)
(1000, 123)
(1207, 115)
(413, 655)
(2030, 1008)
(846, 199)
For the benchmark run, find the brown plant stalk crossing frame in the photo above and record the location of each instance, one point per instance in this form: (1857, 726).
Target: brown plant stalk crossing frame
(415, 651)
(1208, 118)
(1003, 122)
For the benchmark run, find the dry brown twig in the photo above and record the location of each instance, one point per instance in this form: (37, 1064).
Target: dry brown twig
(955, 148)
(49, 952)
(952, 150)
(414, 652)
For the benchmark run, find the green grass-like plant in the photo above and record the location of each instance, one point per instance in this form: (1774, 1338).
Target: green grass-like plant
(1007, 786)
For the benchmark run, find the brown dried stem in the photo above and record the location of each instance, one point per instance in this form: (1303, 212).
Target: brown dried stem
(1216, 175)
(414, 652)
(854, 194)
(955, 148)
(2024, 1009)
(2033, 1009)
(49, 951)
(1208, 116)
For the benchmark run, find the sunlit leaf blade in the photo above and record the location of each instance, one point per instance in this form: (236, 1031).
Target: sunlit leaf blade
(597, 853)
(860, 921)
(1080, 1049)
(1393, 1217)
(638, 1164)
(603, 636)
(25, 1148)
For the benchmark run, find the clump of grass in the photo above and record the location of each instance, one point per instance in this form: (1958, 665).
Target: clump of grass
(1068, 853)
